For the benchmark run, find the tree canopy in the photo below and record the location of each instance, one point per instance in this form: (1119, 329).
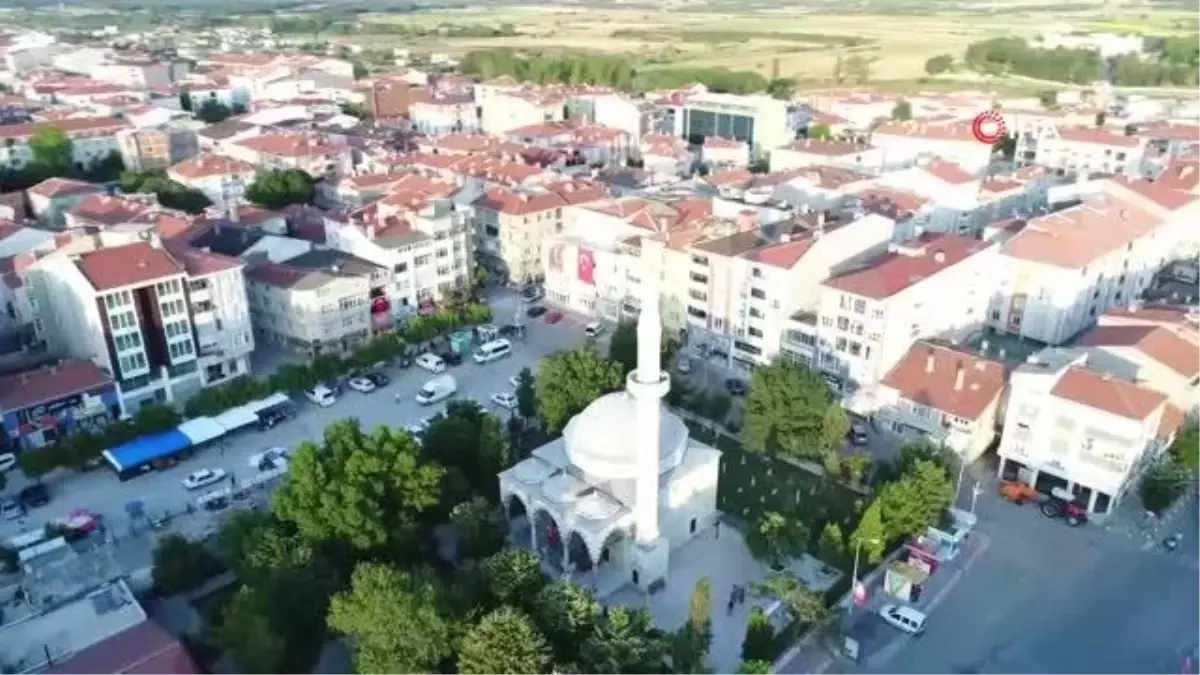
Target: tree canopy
(786, 410)
(369, 490)
(569, 380)
(514, 577)
(277, 189)
(504, 641)
(939, 64)
(211, 111)
(481, 528)
(1185, 449)
(180, 565)
(628, 642)
(568, 613)
(51, 149)
(622, 346)
(774, 538)
(472, 445)
(526, 394)
(170, 194)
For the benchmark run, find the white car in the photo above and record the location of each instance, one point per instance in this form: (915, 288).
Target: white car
(321, 395)
(361, 384)
(198, 479)
(593, 329)
(905, 618)
(515, 381)
(505, 400)
(421, 426)
(269, 459)
(7, 461)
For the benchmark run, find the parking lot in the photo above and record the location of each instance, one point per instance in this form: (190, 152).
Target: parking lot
(102, 493)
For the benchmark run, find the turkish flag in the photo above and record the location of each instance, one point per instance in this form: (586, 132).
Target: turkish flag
(587, 267)
(860, 595)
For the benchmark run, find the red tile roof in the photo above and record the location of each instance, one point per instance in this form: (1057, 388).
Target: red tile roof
(1075, 237)
(1096, 136)
(1168, 346)
(292, 145)
(827, 148)
(1180, 175)
(71, 127)
(1107, 393)
(556, 195)
(1161, 194)
(207, 165)
(199, 263)
(933, 132)
(929, 374)
(59, 187)
(275, 274)
(132, 265)
(144, 649)
(106, 210)
(947, 172)
(19, 391)
(898, 270)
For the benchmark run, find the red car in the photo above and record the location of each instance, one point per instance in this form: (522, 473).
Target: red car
(554, 316)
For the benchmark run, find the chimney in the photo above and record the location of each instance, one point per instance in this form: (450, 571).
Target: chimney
(155, 240)
(929, 361)
(959, 374)
(371, 231)
(785, 237)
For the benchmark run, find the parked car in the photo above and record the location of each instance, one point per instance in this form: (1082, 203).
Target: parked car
(512, 330)
(11, 509)
(593, 329)
(905, 618)
(452, 358)
(336, 385)
(361, 384)
(34, 496)
(378, 379)
(431, 362)
(515, 381)
(268, 418)
(535, 311)
(554, 317)
(858, 434)
(269, 459)
(202, 478)
(420, 426)
(321, 395)
(7, 461)
(532, 293)
(684, 365)
(506, 400)
(735, 386)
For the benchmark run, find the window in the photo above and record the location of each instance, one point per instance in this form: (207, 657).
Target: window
(826, 321)
(756, 273)
(845, 302)
(176, 328)
(400, 268)
(699, 260)
(128, 341)
(860, 306)
(840, 344)
(756, 313)
(855, 349)
(171, 287)
(843, 323)
(877, 314)
(179, 349)
(699, 278)
(123, 321)
(754, 332)
(697, 295)
(758, 293)
(697, 312)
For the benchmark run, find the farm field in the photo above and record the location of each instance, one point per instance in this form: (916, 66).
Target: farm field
(776, 43)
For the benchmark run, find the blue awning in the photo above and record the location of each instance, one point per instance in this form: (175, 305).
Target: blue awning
(147, 449)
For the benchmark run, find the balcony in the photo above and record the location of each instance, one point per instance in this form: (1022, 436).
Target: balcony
(200, 295)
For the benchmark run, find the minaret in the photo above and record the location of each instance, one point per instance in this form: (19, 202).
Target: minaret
(648, 384)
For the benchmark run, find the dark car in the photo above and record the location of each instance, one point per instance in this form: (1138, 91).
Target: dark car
(336, 385)
(511, 330)
(858, 434)
(451, 358)
(735, 386)
(35, 495)
(535, 312)
(405, 361)
(378, 379)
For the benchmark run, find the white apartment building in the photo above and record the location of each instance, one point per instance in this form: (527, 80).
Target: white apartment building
(758, 120)
(1072, 426)
(724, 153)
(447, 114)
(615, 111)
(936, 286)
(128, 309)
(903, 142)
(667, 155)
(92, 139)
(810, 152)
(137, 73)
(949, 396)
(503, 111)
(1090, 151)
(1062, 270)
(220, 310)
(222, 179)
(317, 154)
(309, 311)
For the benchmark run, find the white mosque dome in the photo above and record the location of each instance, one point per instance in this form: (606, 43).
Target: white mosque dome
(601, 441)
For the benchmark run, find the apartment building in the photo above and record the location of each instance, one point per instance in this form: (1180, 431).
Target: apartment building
(1062, 270)
(942, 393)
(757, 120)
(434, 115)
(1073, 426)
(220, 312)
(1090, 151)
(388, 98)
(309, 311)
(212, 137)
(319, 155)
(903, 142)
(724, 153)
(128, 309)
(222, 179)
(154, 149)
(935, 286)
(512, 226)
(664, 154)
(50, 199)
(816, 152)
(506, 109)
(416, 231)
(92, 139)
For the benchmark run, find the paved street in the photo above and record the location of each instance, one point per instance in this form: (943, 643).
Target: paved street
(101, 492)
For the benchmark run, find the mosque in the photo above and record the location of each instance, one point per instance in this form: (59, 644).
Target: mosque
(624, 486)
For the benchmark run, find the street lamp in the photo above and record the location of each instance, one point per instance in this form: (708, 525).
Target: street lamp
(854, 575)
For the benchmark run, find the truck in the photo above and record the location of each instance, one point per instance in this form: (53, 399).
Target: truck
(437, 389)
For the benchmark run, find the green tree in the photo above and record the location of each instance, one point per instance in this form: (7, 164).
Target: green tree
(755, 667)
(567, 613)
(785, 411)
(870, 537)
(156, 417)
(185, 100)
(504, 641)
(690, 644)
(902, 111)
(36, 463)
(835, 426)
(248, 633)
(1163, 484)
(568, 381)
(360, 70)
(396, 620)
(777, 538)
(831, 547)
(910, 505)
(480, 526)
(857, 466)
(858, 68)
(473, 446)
(179, 565)
(277, 189)
(916, 450)
(1185, 449)
(52, 152)
(626, 642)
(942, 63)
(782, 88)
(819, 131)
(212, 111)
(806, 606)
(513, 577)
(622, 346)
(526, 394)
(368, 490)
(760, 643)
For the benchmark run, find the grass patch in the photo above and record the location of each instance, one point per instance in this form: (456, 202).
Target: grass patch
(721, 36)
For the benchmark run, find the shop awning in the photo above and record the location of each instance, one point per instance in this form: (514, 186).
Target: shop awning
(146, 449)
(202, 430)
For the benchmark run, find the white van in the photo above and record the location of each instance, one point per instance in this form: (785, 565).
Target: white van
(438, 389)
(321, 395)
(490, 351)
(431, 362)
(905, 618)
